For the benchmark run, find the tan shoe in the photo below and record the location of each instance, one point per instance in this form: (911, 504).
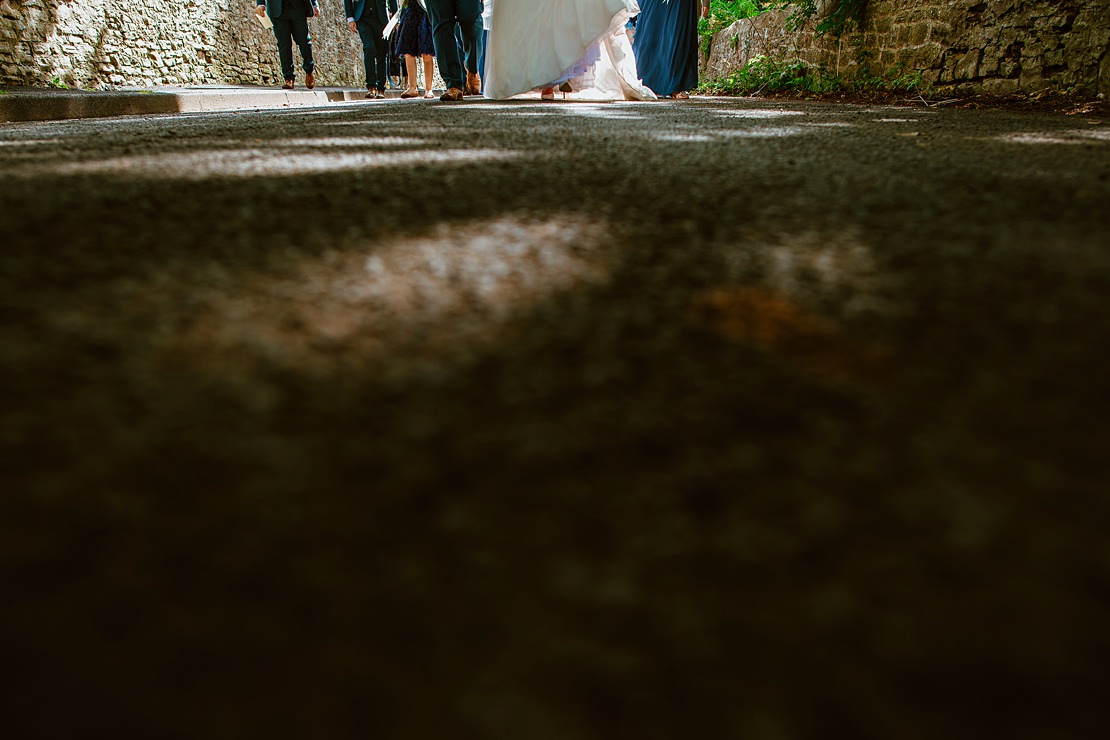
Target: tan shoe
(288, 85)
(473, 84)
(453, 95)
(410, 93)
(310, 80)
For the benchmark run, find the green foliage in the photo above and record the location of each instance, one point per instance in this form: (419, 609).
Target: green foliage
(844, 17)
(765, 75)
(57, 82)
(863, 78)
(723, 13)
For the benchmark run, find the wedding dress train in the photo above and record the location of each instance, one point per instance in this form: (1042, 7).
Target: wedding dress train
(542, 43)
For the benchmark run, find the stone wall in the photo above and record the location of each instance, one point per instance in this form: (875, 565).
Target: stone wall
(96, 43)
(995, 47)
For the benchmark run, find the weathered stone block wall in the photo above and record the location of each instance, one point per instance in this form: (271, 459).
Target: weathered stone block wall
(91, 43)
(995, 47)
(767, 35)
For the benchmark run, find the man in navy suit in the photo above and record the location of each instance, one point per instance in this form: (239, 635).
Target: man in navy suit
(368, 19)
(459, 74)
(290, 18)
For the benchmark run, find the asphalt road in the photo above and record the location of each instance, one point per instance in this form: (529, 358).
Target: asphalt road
(727, 418)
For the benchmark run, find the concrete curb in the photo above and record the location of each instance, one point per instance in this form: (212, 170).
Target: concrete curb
(37, 104)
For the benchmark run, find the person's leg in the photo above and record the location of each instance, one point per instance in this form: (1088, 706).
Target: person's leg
(482, 55)
(366, 36)
(470, 29)
(429, 72)
(284, 35)
(381, 51)
(304, 43)
(442, 15)
(410, 68)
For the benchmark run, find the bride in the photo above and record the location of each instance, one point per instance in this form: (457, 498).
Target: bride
(544, 44)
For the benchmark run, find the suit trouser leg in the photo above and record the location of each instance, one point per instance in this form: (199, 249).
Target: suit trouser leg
(374, 51)
(284, 34)
(441, 13)
(482, 57)
(304, 43)
(470, 25)
(382, 53)
(369, 60)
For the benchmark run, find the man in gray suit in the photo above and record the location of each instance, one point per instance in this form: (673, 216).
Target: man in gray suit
(290, 18)
(460, 74)
(368, 19)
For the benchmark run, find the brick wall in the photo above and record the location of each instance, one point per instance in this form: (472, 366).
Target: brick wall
(995, 47)
(91, 43)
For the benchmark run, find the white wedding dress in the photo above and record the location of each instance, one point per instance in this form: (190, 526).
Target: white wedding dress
(542, 43)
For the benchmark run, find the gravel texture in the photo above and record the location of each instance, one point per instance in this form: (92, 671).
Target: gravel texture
(726, 418)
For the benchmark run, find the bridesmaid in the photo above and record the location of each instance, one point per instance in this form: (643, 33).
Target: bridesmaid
(666, 45)
(414, 39)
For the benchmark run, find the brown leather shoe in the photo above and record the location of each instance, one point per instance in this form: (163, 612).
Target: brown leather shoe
(473, 84)
(453, 95)
(310, 80)
(288, 85)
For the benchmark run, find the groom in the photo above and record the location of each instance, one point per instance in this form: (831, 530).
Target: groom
(290, 19)
(444, 14)
(368, 18)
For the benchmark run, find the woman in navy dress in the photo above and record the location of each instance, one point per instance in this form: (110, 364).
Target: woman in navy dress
(414, 39)
(666, 45)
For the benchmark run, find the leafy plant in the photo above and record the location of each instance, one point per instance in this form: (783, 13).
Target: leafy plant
(765, 75)
(723, 13)
(57, 83)
(844, 16)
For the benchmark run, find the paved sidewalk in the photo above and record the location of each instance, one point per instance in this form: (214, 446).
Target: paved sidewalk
(45, 104)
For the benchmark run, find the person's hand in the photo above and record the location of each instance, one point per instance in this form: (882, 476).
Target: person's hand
(261, 10)
(353, 26)
(705, 11)
(316, 10)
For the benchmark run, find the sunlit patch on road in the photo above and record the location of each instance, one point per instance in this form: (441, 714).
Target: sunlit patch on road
(393, 303)
(837, 269)
(28, 143)
(599, 110)
(758, 113)
(767, 132)
(682, 138)
(1074, 136)
(366, 142)
(215, 163)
